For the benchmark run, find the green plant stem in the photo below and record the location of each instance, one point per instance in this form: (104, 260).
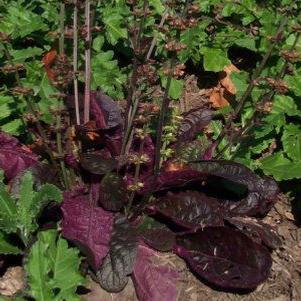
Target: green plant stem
(132, 104)
(75, 61)
(154, 40)
(136, 178)
(163, 111)
(58, 116)
(87, 61)
(252, 83)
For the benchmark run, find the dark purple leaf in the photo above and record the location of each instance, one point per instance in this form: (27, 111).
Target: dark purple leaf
(153, 281)
(262, 191)
(113, 142)
(225, 257)
(87, 226)
(14, 157)
(171, 179)
(112, 192)
(160, 239)
(105, 111)
(97, 164)
(156, 234)
(190, 209)
(256, 230)
(194, 121)
(119, 262)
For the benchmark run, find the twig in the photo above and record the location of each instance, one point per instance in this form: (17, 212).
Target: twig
(87, 61)
(75, 62)
(154, 40)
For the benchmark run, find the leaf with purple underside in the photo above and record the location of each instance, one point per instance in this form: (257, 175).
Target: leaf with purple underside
(172, 179)
(87, 226)
(257, 231)
(262, 192)
(119, 262)
(189, 209)
(153, 281)
(14, 157)
(225, 257)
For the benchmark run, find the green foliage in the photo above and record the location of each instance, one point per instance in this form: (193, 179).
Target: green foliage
(53, 269)
(19, 216)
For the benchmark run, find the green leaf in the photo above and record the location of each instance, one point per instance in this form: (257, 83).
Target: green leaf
(48, 192)
(65, 263)
(294, 83)
(248, 43)
(30, 204)
(6, 247)
(291, 141)
(20, 56)
(285, 104)
(157, 5)
(52, 269)
(38, 267)
(280, 167)
(13, 127)
(215, 59)
(176, 88)
(8, 212)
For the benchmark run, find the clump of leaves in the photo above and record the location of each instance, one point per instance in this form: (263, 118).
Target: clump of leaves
(20, 212)
(184, 212)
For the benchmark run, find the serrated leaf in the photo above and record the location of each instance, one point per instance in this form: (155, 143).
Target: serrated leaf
(30, 204)
(215, 59)
(38, 267)
(291, 141)
(157, 5)
(65, 264)
(13, 127)
(6, 247)
(52, 269)
(280, 167)
(118, 264)
(47, 193)
(20, 56)
(285, 104)
(8, 212)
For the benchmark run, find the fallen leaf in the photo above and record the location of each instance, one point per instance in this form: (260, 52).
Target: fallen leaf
(12, 281)
(221, 95)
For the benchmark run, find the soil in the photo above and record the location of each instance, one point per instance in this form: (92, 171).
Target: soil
(284, 283)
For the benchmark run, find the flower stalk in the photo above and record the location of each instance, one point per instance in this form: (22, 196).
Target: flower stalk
(87, 61)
